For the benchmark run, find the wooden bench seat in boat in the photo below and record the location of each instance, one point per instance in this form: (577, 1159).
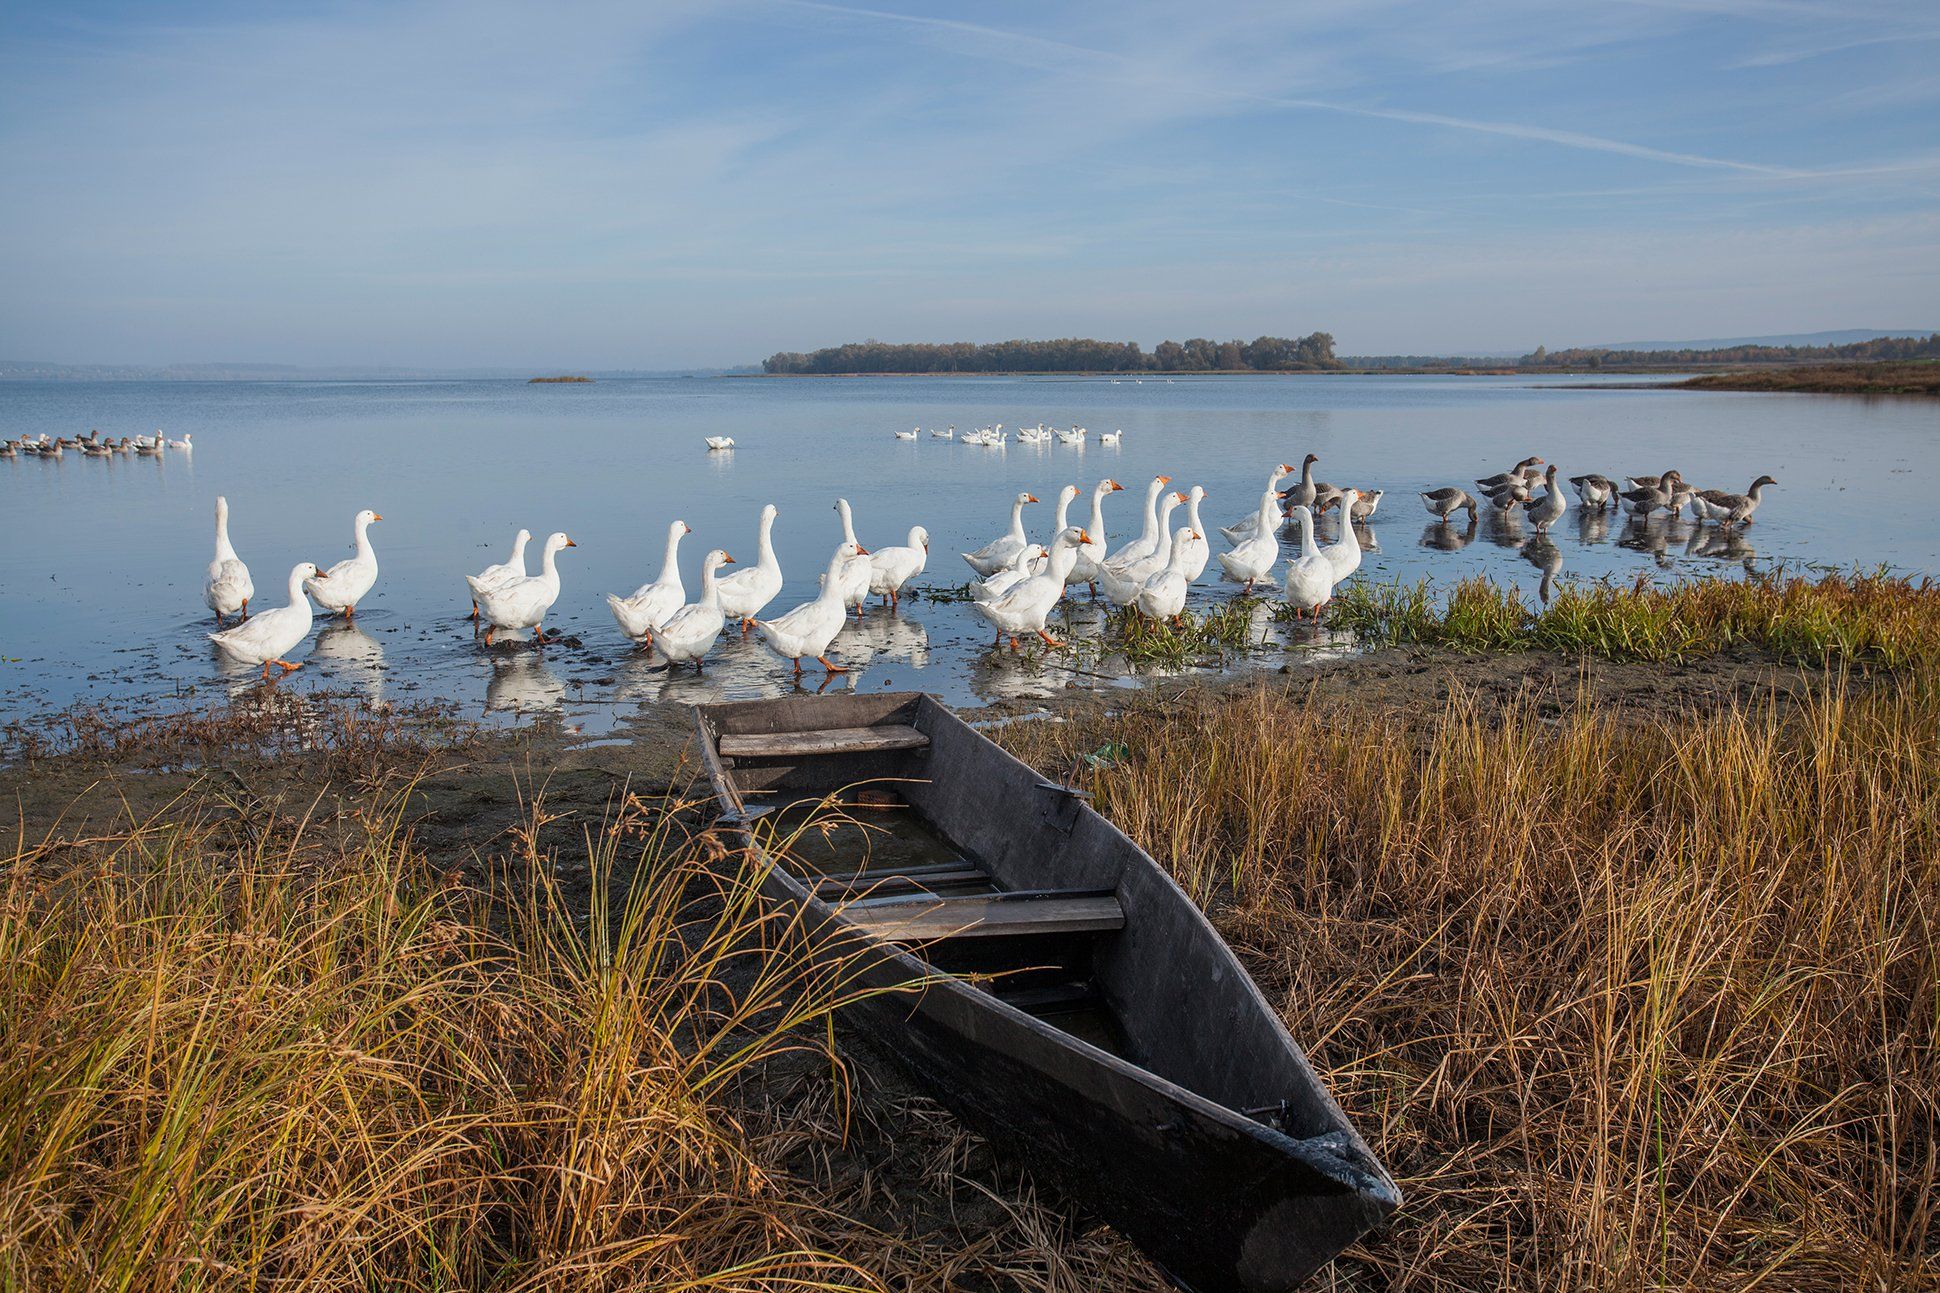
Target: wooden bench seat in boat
(897, 880)
(925, 917)
(832, 740)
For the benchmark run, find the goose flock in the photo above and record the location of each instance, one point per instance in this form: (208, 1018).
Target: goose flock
(1019, 581)
(95, 445)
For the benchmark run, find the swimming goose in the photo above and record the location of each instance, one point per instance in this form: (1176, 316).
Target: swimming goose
(1344, 556)
(908, 435)
(1595, 491)
(145, 449)
(1444, 502)
(1085, 569)
(343, 585)
(996, 554)
(1741, 506)
(641, 614)
(746, 593)
(856, 570)
(691, 630)
(1112, 438)
(513, 567)
(1198, 551)
(273, 634)
(1310, 576)
(1027, 606)
(892, 567)
(523, 603)
(1253, 559)
(1163, 595)
(1523, 471)
(810, 627)
(1121, 580)
(184, 445)
(1246, 527)
(1645, 499)
(719, 441)
(1545, 511)
(1149, 538)
(228, 589)
(947, 434)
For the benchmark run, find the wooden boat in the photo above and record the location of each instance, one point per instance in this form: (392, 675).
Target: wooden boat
(1080, 1013)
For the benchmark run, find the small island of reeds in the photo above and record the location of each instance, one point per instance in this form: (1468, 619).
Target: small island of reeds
(552, 381)
(1912, 378)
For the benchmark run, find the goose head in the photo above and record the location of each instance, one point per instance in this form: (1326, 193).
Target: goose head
(919, 538)
(1763, 481)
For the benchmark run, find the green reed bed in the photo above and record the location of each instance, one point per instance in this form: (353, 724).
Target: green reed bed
(1865, 620)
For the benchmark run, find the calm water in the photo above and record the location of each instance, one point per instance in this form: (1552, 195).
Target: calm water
(101, 581)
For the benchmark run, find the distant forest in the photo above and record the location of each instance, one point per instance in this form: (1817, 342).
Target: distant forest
(1314, 352)
(1882, 348)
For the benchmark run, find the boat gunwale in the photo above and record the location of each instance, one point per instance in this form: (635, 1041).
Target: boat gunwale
(1375, 1181)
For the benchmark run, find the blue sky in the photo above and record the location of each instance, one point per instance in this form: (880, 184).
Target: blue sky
(665, 184)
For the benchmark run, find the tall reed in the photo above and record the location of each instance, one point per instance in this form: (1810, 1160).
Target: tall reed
(1627, 1000)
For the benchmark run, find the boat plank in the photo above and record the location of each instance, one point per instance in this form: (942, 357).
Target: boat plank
(883, 883)
(923, 918)
(831, 740)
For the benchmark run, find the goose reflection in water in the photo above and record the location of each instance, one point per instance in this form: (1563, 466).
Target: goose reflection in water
(1447, 537)
(1503, 527)
(1720, 544)
(1593, 525)
(1654, 534)
(1545, 556)
(353, 657)
(885, 637)
(522, 683)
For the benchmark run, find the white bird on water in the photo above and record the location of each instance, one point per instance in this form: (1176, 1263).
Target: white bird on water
(228, 589)
(523, 603)
(513, 567)
(341, 587)
(641, 614)
(273, 634)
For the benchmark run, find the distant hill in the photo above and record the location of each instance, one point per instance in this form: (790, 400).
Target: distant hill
(28, 370)
(1844, 337)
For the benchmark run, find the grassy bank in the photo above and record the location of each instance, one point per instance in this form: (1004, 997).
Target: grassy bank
(1626, 1000)
(1869, 621)
(1915, 378)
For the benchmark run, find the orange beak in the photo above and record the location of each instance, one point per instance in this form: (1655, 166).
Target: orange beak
(571, 544)
(1286, 470)
(861, 551)
(319, 574)
(726, 560)
(1084, 536)
(1030, 498)
(376, 516)
(1178, 496)
(1165, 480)
(686, 528)
(1114, 484)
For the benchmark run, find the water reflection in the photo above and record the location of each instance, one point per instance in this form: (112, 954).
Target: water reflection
(351, 657)
(885, 636)
(1444, 536)
(1654, 534)
(1719, 544)
(1504, 529)
(1545, 556)
(1593, 525)
(522, 683)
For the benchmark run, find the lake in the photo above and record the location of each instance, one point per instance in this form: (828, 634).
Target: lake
(101, 581)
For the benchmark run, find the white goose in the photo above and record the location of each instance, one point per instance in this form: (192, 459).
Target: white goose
(690, 631)
(273, 634)
(1149, 538)
(523, 603)
(746, 593)
(1198, 551)
(810, 627)
(1021, 566)
(1253, 559)
(856, 571)
(1547, 510)
(1092, 552)
(1112, 438)
(1163, 595)
(228, 589)
(719, 441)
(1310, 576)
(892, 567)
(1121, 581)
(907, 435)
(996, 554)
(1344, 556)
(513, 567)
(1248, 526)
(641, 614)
(1026, 607)
(340, 588)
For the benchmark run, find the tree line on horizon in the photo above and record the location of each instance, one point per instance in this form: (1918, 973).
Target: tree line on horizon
(1313, 352)
(1876, 350)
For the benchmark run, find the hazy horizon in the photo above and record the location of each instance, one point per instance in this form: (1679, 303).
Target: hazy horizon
(445, 187)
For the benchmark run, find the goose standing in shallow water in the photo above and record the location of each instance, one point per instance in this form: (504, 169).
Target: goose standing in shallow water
(996, 554)
(341, 587)
(810, 627)
(1344, 556)
(523, 603)
(892, 567)
(1445, 502)
(228, 589)
(1523, 473)
(1310, 576)
(1021, 567)
(746, 593)
(642, 613)
(1548, 509)
(1092, 552)
(1198, 551)
(1595, 491)
(513, 567)
(1149, 538)
(690, 631)
(1163, 595)
(1254, 558)
(856, 571)
(1247, 526)
(1123, 579)
(1027, 606)
(273, 634)
(1739, 507)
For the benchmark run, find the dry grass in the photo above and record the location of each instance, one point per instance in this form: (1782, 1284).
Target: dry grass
(1625, 1001)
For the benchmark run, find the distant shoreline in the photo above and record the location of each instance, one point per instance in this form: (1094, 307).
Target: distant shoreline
(549, 381)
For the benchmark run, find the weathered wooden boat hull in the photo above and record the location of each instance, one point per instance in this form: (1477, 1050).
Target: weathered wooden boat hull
(1202, 1134)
